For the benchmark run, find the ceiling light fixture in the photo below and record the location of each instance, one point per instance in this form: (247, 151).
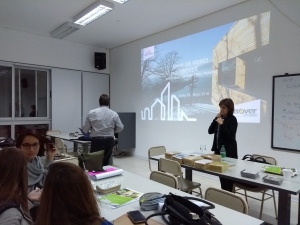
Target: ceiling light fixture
(64, 30)
(94, 11)
(120, 1)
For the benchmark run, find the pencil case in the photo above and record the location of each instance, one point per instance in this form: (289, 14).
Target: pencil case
(108, 187)
(273, 180)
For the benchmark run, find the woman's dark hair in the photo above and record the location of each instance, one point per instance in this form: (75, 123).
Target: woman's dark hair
(104, 100)
(31, 132)
(229, 104)
(13, 179)
(68, 197)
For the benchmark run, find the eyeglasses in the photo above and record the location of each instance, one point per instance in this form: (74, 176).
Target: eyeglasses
(27, 146)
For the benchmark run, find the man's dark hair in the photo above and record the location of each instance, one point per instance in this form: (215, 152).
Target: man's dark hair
(104, 100)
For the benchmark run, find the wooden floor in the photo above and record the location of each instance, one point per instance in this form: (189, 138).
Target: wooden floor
(140, 166)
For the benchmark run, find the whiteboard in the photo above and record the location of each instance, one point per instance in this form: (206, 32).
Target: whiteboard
(286, 112)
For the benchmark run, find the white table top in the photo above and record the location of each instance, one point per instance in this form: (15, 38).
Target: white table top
(234, 173)
(67, 137)
(144, 185)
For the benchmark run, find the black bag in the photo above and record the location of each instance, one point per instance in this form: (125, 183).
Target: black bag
(7, 142)
(252, 159)
(181, 211)
(91, 161)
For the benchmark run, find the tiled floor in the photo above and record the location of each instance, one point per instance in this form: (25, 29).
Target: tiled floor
(140, 166)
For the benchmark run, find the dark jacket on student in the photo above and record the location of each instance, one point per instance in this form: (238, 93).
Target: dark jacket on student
(225, 135)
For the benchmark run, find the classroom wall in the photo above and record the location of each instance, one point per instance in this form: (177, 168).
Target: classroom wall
(71, 65)
(21, 47)
(280, 57)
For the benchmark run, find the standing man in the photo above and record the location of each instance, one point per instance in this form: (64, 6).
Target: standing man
(102, 123)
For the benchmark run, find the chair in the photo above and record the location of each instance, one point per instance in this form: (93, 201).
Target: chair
(164, 178)
(227, 199)
(174, 168)
(237, 186)
(60, 145)
(155, 151)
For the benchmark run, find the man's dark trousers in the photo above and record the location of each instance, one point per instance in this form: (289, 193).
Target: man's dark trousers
(103, 143)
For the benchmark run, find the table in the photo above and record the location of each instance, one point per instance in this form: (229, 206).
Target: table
(67, 137)
(284, 190)
(144, 185)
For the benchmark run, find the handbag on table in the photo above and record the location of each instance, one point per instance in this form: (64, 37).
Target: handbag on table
(91, 161)
(181, 211)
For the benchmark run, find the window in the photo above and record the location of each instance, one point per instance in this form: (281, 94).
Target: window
(30, 93)
(24, 95)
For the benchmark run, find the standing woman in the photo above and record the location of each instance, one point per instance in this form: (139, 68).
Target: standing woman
(32, 144)
(68, 198)
(13, 188)
(224, 127)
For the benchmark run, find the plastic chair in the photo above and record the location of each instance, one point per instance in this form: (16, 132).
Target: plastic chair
(60, 146)
(155, 151)
(164, 178)
(238, 186)
(227, 199)
(174, 168)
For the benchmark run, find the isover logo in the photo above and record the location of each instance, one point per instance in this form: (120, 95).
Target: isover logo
(245, 111)
(248, 112)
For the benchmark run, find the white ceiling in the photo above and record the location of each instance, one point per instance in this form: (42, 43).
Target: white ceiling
(126, 23)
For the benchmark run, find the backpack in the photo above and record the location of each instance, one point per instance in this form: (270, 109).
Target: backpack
(7, 142)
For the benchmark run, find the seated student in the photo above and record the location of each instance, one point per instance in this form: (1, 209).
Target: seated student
(32, 144)
(14, 208)
(68, 198)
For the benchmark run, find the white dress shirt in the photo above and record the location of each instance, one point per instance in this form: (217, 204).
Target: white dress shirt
(102, 122)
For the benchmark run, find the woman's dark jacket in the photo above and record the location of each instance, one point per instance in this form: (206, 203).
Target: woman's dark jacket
(227, 132)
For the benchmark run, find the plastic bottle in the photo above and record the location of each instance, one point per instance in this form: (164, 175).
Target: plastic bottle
(223, 153)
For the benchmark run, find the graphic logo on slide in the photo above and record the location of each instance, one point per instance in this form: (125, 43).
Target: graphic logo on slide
(148, 53)
(248, 112)
(169, 108)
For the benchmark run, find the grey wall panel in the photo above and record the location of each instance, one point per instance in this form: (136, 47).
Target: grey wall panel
(66, 100)
(93, 85)
(126, 138)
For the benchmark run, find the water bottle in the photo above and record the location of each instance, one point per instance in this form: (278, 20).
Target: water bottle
(223, 153)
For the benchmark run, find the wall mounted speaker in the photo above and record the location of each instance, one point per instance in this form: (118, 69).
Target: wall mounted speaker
(100, 60)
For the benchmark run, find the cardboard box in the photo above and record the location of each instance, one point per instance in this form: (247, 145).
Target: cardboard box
(202, 164)
(219, 167)
(212, 157)
(168, 155)
(190, 160)
(178, 157)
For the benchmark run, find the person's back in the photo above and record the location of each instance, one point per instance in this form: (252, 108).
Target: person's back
(102, 124)
(13, 188)
(68, 198)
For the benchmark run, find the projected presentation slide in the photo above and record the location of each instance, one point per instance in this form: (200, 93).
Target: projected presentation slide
(185, 78)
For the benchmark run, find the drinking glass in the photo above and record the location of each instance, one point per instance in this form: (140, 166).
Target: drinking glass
(202, 149)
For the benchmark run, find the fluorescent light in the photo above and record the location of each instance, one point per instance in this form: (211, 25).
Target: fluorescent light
(64, 30)
(120, 1)
(93, 12)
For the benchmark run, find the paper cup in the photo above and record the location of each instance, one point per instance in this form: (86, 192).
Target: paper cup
(287, 174)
